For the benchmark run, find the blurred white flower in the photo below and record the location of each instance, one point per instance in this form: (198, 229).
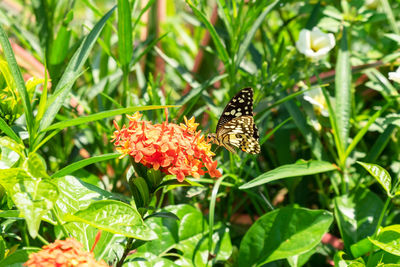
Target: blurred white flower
(317, 99)
(395, 75)
(372, 4)
(315, 44)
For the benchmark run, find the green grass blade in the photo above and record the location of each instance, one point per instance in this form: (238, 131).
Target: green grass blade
(180, 70)
(267, 136)
(222, 53)
(364, 130)
(390, 16)
(43, 99)
(71, 73)
(212, 212)
(380, 144)
(99, 116)
(146, 50)
(309, 135)
(291, 170)
(250, 35)
(125, 41)
(82, 163)
(17, 76)
(343, 91)
(8, 131)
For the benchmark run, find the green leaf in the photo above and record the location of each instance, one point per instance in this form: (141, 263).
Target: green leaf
(35, 165)
(361, 247)
(343, 91)
(380, 174)
(341, 262)
(115, 217)
(76, 195)
(364, 130)
(8, 131)
(125, 42)
(163, 214)
(388, 239)
(17, 76)
(291, 170)
(188, 235)
(6, 142)
(357, 215)
(283, 233)
(140, 191)
(387, 8)
(71, 73)
(146, 259)
(383, 257)
(99, 116)
(17, 258)
(3, 246)
(33, 197)
(222, 53)
(82, 163)
(301, 259)
(310, 136)
(11, 152)
(250, 35)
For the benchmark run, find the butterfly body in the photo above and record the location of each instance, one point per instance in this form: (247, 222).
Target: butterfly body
(236, 126)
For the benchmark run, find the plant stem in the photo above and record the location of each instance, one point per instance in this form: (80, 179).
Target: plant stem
(59, 222)
(381, 216)
(41, 238)
(126, 251)
(388, 199)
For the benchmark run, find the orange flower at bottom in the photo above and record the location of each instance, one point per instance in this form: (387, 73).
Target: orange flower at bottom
(174, 149)
(63, 253)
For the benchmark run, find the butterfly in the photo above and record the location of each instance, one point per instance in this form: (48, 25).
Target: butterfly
(236, 127)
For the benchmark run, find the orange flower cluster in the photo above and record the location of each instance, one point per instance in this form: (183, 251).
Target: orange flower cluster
(63, 253)
(174, 149)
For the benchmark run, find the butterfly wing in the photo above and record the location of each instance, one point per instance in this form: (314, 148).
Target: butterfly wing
(239, 132)
(240, 105)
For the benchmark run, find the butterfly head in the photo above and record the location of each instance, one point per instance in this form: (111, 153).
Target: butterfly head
(212, 137)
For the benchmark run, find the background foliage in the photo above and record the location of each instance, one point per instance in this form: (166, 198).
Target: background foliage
(322, 191)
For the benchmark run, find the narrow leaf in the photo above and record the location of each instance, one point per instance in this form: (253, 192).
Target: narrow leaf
(250, 35)
(71, 73)
(125, 43)
(82, 163)
(291, 170)
(8, 131)
(343, 91)
(17, 76)
(222, 53)
(364, 130)
(99, 116)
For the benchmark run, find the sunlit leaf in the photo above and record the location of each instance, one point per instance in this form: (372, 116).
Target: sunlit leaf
(357, 215)
(380, 174)
(388, 239)
(283, 233)
(33, 197)
(291, 170)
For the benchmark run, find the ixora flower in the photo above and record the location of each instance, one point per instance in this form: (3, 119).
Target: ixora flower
(174, 149)
(63, 253)
(315, 44)
(395, 75)
(317, 99)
